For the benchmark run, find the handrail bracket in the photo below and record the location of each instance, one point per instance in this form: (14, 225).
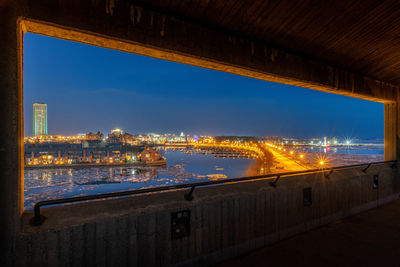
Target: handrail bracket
(329, 173)
(366, 168)
(189, 196)
(273, 183)
(37, 220)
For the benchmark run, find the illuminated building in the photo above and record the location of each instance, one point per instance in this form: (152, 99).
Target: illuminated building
(117, 131)
(94, 136)
(115, 136)
(118, 136)
(149, 155)
(39, 119)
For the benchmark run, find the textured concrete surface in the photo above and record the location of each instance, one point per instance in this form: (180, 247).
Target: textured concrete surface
(368, 239)
(226, 221)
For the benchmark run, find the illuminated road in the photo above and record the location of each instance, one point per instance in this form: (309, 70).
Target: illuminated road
(287, 163)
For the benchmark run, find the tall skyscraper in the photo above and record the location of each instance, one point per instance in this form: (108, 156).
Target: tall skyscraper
(39, 119)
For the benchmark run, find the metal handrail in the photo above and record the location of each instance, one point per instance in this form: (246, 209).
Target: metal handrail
(38, 218)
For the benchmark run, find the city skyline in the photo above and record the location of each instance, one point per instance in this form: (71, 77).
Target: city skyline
(144, 95)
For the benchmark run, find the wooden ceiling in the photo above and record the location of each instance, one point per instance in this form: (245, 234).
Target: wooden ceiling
(361, 36)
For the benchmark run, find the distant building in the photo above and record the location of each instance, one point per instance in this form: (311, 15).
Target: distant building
(39, 119)
(117, 131)
(94, 136)
(128, 138)
(115, 137)
(87, 152)
(150, 155)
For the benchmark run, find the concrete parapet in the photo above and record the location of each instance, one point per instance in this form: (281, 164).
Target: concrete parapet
(225, 221)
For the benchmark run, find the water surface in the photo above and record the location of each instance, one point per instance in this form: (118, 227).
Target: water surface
(43, 184)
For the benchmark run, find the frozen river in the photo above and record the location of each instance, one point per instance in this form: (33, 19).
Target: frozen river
(44, 184)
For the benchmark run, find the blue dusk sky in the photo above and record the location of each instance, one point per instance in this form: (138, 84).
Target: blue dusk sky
(87, 88)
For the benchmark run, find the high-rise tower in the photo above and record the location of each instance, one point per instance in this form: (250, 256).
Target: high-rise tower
(39, 119)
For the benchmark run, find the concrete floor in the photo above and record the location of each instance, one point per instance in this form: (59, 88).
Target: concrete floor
(371, 238)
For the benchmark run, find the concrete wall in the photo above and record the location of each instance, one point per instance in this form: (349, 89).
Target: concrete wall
(225, 221)
(124, 26)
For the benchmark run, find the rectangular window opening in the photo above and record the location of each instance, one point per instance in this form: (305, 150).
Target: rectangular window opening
(98, 120)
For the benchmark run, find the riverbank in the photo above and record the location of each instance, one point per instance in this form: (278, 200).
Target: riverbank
(158, 163)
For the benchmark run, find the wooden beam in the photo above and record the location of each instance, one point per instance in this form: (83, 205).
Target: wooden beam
(391, 130)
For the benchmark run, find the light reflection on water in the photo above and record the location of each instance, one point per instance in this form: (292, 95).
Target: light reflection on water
(354, 150)
(44, 184)
(343, 155)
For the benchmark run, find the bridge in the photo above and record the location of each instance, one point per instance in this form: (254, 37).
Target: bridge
(223, 152)
(349, 48)
(266, 154)
(224, 149)
(287, 162)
